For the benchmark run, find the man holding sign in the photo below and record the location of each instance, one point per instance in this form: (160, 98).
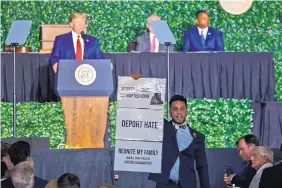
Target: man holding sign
(181, 145)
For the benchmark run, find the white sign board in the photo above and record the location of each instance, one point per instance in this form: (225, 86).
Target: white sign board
(142, 93)
(136, 156)
(139, 124)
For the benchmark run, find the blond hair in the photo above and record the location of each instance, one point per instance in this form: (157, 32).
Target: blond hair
(77, 15)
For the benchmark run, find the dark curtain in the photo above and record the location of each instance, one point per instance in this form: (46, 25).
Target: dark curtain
(239, 75)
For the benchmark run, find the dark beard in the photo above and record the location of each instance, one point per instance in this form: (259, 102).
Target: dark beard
(173, 120)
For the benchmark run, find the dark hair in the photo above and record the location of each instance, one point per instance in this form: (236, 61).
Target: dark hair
(200, 12)
(249, 139)
(4, 149)
(178, 98)
(68, 180)
(19, 152)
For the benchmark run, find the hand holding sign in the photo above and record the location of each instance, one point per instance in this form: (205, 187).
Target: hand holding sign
(136, 76)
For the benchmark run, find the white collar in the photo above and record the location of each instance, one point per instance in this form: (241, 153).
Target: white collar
(205, 30)
(264, 166)
(152, 34)
(74, 34)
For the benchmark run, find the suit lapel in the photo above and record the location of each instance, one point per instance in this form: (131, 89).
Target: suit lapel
(86, 47)
(147, 42)
(197, 37)
(70, 44)
(173, 133)
(208, 37)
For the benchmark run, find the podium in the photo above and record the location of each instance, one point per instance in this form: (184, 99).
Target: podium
(85, 87)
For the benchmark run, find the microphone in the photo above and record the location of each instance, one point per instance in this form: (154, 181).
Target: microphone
(83, 36)
(228, 171)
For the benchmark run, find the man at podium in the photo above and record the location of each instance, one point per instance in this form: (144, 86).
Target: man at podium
(75, 44)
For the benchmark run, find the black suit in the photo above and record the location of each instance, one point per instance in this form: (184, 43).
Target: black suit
(195, 151)
(39, 183)
(244, 178)
(271, 177)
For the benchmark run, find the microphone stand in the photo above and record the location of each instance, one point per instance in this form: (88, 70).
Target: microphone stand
(168, 45)
(14, 45)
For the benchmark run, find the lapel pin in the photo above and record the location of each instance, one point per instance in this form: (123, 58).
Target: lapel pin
(87, 40)
(194, 134)
(209, 33)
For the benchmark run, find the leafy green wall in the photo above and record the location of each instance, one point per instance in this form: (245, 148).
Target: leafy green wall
(117, 22)
(34, 119)
(222, 121)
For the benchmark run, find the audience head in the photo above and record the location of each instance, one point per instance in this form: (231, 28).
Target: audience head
(78, 22)
(22, 175)
(68, 180)
(202, 19)
(261, 156)
(246, 144)
(152, 17)
(178, 109)
(106, 186)
(19, 152)
(5, 160)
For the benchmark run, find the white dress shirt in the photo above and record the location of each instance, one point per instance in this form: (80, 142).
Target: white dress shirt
(156, 42)
(205, 31)
(74, 39)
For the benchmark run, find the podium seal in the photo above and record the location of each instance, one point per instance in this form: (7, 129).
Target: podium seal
(85, 74)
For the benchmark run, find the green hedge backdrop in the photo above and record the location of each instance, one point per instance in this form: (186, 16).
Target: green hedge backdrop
(222, 121)
(117, 22)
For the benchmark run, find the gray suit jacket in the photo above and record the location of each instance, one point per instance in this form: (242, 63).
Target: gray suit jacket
(143, 43)
(255, 182)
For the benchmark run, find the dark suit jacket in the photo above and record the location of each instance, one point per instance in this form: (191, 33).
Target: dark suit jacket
(244, 178)
(271, 177)
(195, 151)
(192, 40)
(39, 183)
(144, 43)
(64, 48)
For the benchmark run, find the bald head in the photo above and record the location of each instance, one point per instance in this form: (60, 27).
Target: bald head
(152, 17)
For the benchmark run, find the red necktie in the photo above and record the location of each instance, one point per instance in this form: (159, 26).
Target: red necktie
(153, 44)
(78, 55)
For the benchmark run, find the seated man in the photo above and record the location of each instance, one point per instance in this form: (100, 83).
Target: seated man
(75, 45)
(22, 175)
(20, 152)
(271, 177)
(147, 42)
(262, 158)
(203, 37)
(245, 146)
